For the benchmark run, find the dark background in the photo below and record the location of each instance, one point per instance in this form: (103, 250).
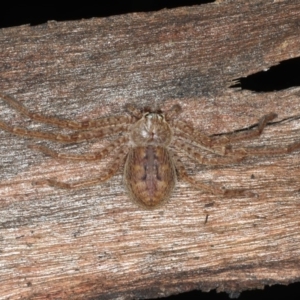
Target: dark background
(14, 14)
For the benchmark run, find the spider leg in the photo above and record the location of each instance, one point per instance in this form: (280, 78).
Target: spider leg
(108, 121)
(63, 138)
(133, 111)
(173, 112)
(272, 150)
(206, 187)
(111, 171)
(185, 131)
(244, 135)
(219, 144)
(236, 155)
(232, 155)
(94, 156)
(202, 141)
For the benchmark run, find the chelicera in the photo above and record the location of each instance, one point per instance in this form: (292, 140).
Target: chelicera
(148, 142)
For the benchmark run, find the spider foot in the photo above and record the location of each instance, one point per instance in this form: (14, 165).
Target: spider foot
(52, 182)
(40, 182)
(239, 192)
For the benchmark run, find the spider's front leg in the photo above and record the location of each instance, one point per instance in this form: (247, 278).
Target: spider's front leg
(220, 144)
(253, 133)
(185, 131)
(76, 137)
(70, 124)
(256, 131)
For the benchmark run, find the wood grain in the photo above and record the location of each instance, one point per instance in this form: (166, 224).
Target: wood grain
(95, 242)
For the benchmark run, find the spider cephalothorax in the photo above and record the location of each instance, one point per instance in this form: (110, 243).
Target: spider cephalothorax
(151, 129)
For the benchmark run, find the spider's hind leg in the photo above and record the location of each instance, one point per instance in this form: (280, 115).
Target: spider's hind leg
(216, 190)
(111, 171)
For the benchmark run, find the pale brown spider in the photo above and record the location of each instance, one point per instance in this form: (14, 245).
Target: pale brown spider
(148, 144)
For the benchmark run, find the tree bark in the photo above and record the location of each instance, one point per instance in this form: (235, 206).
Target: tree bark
(94, 242)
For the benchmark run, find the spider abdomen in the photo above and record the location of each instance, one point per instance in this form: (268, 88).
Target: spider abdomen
(149, 175)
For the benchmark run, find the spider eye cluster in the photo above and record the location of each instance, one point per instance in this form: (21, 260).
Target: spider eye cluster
(151, 129)
(151, 115)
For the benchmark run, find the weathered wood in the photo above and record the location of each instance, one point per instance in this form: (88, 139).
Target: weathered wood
(95, 242)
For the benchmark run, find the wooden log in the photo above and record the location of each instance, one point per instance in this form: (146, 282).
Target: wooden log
(94, 242)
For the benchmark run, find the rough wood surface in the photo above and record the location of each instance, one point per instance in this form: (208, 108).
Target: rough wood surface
(94, 242)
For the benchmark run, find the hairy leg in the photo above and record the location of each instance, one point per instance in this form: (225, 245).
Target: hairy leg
(213, 189)
(194, 153)
(173, 112)
(220, 144)
(63, 138)
(88, 156)
(256, 151)
(133, 111)
(254, 132)
(184, 130)
(233, 155)
(84, 125)
(111, 171)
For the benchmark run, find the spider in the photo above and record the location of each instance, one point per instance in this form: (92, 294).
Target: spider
(148, 141)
